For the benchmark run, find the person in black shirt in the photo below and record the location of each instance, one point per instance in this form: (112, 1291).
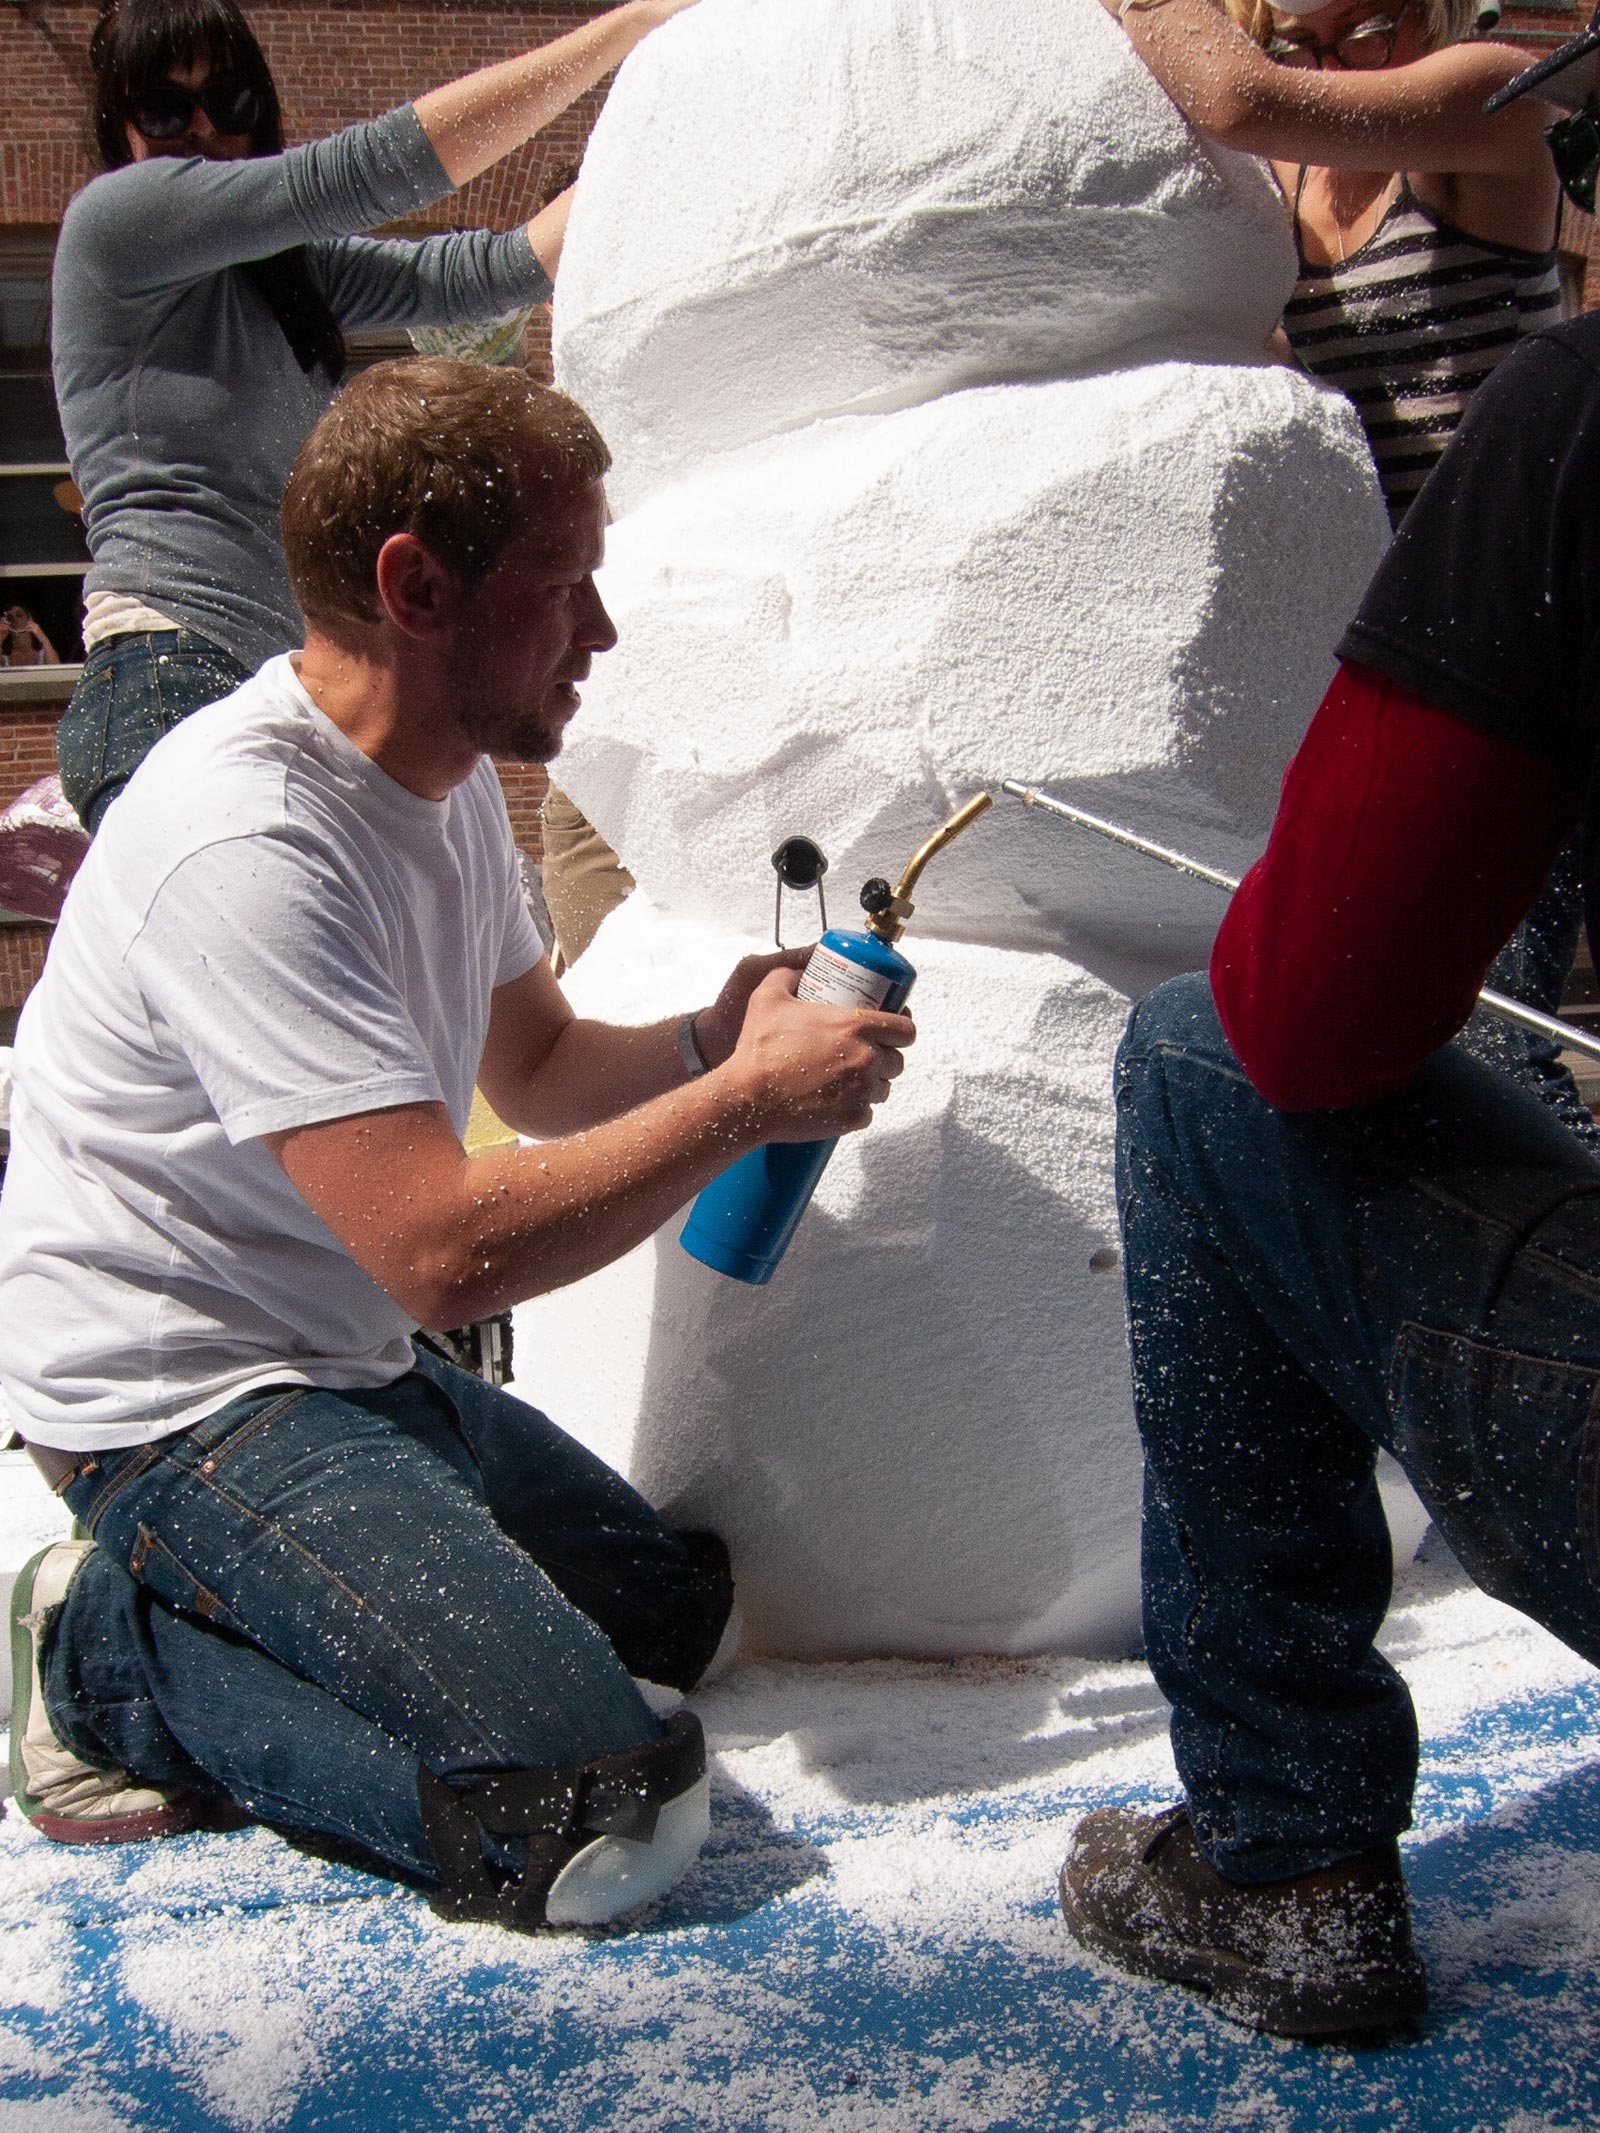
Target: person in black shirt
(1341, 1232)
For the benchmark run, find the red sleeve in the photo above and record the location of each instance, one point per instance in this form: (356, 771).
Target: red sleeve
(1407, 846)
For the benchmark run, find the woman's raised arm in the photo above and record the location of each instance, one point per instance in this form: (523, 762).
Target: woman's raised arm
(475, 121)
(1425, 116)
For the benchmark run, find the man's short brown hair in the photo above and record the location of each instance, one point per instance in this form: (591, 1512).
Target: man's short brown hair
(459, 454)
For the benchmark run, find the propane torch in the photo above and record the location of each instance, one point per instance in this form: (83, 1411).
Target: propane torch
(742, 1221)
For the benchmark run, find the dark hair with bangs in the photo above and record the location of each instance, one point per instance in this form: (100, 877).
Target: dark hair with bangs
(137, 43)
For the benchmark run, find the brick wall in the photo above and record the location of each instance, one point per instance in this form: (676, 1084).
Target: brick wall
(334, 61)
(27, 747)
(524, 787)
(21, 960)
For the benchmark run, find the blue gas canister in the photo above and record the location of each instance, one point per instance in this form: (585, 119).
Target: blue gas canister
(742, 1222)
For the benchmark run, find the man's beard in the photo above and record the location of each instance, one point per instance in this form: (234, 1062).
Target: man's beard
(493, 729)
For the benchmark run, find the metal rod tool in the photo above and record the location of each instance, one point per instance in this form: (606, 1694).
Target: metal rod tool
(1566, 1033)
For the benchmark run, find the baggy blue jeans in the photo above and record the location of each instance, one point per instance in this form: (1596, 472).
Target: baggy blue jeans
(1422, 1273)
(308, 1594)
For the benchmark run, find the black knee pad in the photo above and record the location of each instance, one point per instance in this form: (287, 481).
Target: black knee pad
(577, 1845)
(708, 1603)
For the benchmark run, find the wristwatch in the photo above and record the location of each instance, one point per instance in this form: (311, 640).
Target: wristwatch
(694, 1060)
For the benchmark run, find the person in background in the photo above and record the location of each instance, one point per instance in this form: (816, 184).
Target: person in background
(1425, 228)
(203, 287)
(23, 643)
(581, 880)
(1343, 1231)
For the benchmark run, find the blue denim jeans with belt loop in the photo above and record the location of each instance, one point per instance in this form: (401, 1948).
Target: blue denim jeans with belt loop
(1421, 1273)
(133, 689)
(308, 1594)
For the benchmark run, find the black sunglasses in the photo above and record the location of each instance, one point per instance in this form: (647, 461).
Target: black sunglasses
(1574, 144)
(166, 109)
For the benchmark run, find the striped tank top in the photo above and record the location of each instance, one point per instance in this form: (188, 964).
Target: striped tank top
(1410, 325)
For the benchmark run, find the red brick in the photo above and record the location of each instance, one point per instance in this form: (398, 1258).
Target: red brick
(22, 953)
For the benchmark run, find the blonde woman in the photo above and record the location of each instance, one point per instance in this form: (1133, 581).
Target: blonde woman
(1425, 228)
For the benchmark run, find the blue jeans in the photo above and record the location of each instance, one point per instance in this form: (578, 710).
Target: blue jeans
(1533, 967)
(1422, 1273)
(304, 1597)
(133, 690)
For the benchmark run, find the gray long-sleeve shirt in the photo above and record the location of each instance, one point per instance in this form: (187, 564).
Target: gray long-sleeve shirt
(181, 400)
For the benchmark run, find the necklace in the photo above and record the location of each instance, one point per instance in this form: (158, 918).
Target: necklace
(1334, 215)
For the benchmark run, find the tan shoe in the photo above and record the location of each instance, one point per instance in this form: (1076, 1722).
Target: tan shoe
(1325, 1954)
(69, 1800)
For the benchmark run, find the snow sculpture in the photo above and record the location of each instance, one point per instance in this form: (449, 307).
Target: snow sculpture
(928, 340)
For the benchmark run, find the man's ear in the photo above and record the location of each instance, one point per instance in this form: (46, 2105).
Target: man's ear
(419, 594)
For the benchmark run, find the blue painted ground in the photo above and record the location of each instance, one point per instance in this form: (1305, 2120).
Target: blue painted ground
(870, 1942)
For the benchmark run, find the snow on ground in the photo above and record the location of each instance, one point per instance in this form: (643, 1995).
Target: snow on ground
(869, 1944)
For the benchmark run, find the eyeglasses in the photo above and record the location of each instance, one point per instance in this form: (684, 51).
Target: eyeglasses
(166, 109)
(1361, 46)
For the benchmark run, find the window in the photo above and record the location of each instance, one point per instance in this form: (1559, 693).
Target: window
(42, 552)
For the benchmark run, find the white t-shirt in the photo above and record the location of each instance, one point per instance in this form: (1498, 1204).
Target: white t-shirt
(268, 931)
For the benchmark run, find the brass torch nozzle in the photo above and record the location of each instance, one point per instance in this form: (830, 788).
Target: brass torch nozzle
(890, 922)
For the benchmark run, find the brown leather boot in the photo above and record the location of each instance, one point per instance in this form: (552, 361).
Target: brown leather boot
(1324, 1954)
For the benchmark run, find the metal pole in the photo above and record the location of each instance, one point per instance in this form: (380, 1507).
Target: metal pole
(1566, 1033)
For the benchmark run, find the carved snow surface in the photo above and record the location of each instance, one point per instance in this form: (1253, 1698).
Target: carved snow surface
(1128, 587)
(792, 208)
(1073, 529)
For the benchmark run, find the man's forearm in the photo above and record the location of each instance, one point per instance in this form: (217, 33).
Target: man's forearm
(595, 1071)
(529, 1219)
(453, 1237)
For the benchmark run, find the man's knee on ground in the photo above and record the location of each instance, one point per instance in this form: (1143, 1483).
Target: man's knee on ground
(578, 1845)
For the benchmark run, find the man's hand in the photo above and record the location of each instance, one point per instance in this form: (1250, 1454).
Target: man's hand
(717, 1027)
(812, 1071)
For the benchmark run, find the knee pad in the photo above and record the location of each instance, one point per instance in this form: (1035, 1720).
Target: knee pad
(708, 1610)
(577, 1845)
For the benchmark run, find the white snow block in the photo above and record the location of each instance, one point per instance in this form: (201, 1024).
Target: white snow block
(791, 208)
(1127, 587)
(918, 1437)
(928, 338)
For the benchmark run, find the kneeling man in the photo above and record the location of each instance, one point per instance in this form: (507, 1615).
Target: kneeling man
(330, 1579)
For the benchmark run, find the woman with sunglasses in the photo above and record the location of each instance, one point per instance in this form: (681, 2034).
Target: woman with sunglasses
(1425, 228)
(203, 286)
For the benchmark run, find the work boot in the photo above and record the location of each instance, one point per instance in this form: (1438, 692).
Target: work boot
(69, 1800)
(1323, 1954)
